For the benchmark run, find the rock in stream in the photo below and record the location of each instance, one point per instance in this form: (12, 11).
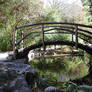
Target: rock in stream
(16, 77)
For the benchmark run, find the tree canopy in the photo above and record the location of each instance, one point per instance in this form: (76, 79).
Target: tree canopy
(19, 12)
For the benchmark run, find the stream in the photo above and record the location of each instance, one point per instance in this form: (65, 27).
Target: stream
(58, 70)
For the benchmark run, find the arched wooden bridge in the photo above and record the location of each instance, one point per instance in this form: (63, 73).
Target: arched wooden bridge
(23, 35)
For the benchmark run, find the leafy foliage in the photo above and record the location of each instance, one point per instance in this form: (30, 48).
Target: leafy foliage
(13, 13)
(19, 12)
(88, 8)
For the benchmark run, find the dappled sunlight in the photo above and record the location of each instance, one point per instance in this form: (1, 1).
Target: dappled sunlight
(3, 56)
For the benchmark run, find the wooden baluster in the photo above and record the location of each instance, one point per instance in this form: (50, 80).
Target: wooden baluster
(73, 32)
(22, 42)
(43, 37)
(76, 37)
(14, 42)
(72, 42)
(14, 39)
(73, 36)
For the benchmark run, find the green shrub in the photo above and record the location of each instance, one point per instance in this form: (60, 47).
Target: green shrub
(6, 39)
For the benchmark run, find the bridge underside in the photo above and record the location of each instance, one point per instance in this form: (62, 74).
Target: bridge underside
(25, 52)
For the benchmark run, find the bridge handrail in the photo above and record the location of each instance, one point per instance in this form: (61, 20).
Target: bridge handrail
(66, 30)
(73, 28)
(43, 23)
(60, 26)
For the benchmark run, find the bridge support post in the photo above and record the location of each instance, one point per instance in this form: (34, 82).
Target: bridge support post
(76, 37)
(43, 37)
(14, 42)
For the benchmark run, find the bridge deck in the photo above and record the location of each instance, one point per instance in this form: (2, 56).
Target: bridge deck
(26, 50)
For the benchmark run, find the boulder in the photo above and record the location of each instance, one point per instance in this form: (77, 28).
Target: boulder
(85, 88)
(53, 89)
(16, 77)
(50, 89)
(18, 85)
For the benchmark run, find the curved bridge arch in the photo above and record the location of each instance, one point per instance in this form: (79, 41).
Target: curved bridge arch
(26, 50)
(79, 30)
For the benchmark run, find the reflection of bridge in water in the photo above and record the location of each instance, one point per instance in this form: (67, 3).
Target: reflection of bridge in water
(23, 35)
(34, 54)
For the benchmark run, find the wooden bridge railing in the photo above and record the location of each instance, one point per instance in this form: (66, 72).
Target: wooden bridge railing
(22, 32)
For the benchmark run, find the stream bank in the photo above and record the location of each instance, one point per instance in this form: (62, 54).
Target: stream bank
(16, 76)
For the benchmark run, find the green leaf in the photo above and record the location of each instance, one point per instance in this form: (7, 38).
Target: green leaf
(2, 2)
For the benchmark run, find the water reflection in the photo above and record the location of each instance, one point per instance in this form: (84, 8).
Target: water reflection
(57, 70)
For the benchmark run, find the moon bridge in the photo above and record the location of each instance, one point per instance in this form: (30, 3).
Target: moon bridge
(24, 36)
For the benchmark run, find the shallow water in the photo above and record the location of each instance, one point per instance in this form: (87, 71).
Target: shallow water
(58, 70)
